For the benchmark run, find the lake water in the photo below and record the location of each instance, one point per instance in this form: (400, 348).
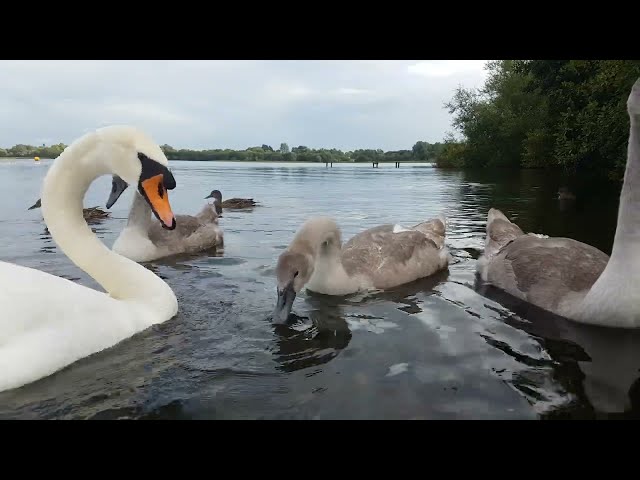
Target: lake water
(440, 348)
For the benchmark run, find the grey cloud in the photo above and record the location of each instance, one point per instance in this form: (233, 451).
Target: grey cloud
(235, 104)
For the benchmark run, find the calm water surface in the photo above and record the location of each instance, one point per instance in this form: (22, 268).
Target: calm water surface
(440, 348)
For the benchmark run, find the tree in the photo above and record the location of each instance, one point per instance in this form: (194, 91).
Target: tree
(420, 150)
(284, 148)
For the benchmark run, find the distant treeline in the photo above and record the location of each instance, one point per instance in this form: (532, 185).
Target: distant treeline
(569, 114)
(29, 151)
(421, 152)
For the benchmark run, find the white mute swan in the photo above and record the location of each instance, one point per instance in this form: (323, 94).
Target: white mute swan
(49, 322)
(143, 240)
(380, 258)
(567, 277)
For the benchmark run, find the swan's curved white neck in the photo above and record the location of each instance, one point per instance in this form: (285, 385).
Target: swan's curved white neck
(628, 228)
(614, 297)
(64, 188)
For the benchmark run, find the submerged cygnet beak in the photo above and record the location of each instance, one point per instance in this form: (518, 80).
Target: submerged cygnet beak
(284, 304)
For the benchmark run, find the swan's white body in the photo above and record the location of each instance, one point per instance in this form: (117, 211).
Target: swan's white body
(143, 240)
(48, 322)
(570, 278)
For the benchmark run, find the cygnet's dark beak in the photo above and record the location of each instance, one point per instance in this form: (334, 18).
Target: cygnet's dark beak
(38, 204)
(117, 187)
(284, 304)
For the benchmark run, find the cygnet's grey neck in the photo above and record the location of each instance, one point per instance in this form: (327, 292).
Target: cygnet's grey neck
(321, 238)
(140, 214)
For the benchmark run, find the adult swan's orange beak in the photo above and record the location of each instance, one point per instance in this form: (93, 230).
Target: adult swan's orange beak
(155, 182)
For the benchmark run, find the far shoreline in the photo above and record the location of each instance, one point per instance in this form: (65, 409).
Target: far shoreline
(42, 159)
(554, 170)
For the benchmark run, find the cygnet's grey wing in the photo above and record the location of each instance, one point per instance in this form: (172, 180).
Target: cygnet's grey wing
(552, 273)
(186, 225)
(390, 259)
(434, 229)
(190, 235)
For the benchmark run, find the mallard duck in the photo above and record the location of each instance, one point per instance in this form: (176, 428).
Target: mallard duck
(89, 214)
(230, 203)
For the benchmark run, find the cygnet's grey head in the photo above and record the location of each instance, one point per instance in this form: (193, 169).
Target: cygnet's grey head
(38, 204)
(293, 271)
(118, 185)
(217, 196)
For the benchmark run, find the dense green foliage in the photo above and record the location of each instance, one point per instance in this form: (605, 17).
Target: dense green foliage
(29, 151)
(568, 114)
(421, 152)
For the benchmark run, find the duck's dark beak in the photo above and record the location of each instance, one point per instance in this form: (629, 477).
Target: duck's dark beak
(284, 304)
(209, 196)
(117, 187)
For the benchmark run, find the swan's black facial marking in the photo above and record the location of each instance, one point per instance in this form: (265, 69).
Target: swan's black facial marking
(151, 168)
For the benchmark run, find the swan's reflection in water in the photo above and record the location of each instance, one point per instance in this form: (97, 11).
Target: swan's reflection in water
(317, 338)
(599, 365)
(311, 341)
(405, 295)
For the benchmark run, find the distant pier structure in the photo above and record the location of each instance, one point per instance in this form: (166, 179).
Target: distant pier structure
(374, 164)
(377, 164)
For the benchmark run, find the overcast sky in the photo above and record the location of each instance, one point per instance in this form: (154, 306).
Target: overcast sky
(235, 104)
